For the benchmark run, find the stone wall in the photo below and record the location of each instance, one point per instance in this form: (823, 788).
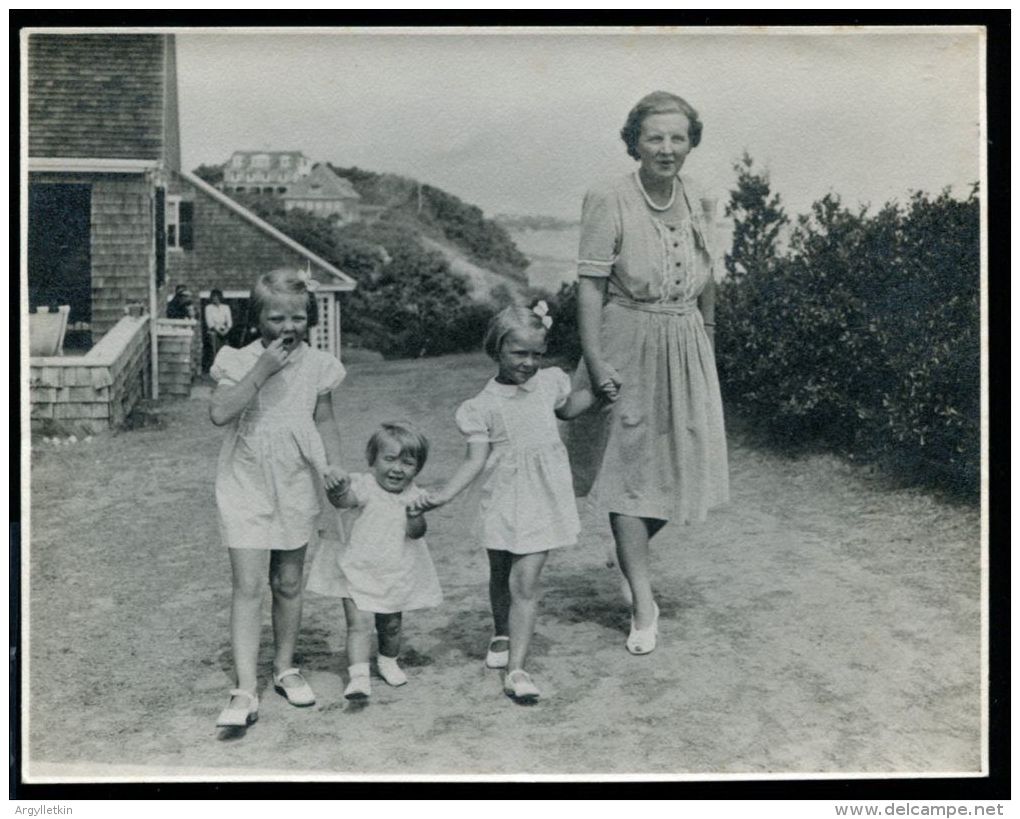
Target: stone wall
(180, 356)
(96, 391)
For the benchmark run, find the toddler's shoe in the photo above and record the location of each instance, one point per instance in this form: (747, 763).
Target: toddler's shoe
(241, 711)
(390, 671)
(359, 688)
(297, 691)
(519, 687)
(498, 659)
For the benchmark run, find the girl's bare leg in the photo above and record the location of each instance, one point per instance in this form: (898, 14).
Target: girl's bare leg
(286, 576)
(360, 625)
(632, 535)
(248, 578)
(525, 594)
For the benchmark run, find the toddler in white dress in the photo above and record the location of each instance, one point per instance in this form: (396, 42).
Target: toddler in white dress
(524, 498)
(384, 567)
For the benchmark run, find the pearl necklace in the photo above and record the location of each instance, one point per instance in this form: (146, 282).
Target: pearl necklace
(648, 199)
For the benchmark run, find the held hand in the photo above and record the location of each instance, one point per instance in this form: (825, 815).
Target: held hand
(607, 382)
(335, 495)
(336, 480)
(414, 510)
(429, 501)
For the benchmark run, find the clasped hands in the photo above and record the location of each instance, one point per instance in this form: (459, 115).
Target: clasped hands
(607, 382)
(337, 482)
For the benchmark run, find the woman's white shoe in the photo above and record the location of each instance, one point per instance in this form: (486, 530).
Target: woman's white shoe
(642, 641)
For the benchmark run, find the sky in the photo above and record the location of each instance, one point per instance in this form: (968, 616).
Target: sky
(526, 122)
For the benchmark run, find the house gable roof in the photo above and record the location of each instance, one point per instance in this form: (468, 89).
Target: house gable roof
(322, 183)
(337, 279)
(102, 96)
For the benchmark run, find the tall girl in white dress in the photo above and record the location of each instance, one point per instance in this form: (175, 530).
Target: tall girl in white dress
(524, 497)
(276, 396)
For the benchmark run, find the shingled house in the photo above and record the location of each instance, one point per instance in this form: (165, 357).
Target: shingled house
(269, 172)
(113, 224)
(324, 193)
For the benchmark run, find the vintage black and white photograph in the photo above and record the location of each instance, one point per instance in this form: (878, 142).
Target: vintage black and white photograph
(503, 402)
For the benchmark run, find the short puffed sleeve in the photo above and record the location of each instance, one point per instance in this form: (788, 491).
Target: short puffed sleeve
(230, 366)
(560, 386)
(331, 373)
(471, 422)
(601, 230)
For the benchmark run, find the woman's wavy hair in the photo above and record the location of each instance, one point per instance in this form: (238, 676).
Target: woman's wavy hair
(284, 281)
(509, 318)
(658, 102)
(406, 435)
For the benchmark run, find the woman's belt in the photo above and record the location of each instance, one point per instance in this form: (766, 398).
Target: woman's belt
(674, 308)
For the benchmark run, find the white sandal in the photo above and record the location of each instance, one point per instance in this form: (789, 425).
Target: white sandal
(299, 694)
(498, 659)
(643, 640)
(239, 716)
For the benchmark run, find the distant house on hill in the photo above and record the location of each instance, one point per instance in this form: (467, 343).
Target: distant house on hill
(114, 225)
(325, 194)
(264, 171)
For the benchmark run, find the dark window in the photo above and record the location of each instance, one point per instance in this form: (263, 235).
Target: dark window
(59, 248)
(187, 225)
(160, 237)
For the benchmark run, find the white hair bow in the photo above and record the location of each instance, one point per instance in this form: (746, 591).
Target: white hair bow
(542, 311)
(310, 284)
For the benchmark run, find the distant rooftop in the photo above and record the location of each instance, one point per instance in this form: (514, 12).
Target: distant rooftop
(322, 183)
(266, 160)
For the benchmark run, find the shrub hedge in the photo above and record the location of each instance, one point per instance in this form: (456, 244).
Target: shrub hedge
(864, 335)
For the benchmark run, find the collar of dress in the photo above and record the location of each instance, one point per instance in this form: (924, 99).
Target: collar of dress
(510, 390)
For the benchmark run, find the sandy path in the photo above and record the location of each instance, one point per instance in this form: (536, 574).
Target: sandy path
(821, 622)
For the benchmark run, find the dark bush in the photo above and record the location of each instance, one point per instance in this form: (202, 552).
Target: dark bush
(564, 341)
(863, 335)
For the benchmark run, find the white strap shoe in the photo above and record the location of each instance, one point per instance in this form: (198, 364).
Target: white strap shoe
(642, 641)
(297, 691)
(519, 686)
(241, 711)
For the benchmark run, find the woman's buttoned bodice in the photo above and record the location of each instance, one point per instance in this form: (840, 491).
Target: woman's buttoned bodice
(647, 254)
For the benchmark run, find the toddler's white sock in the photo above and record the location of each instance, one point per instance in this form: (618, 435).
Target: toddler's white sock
(390, 671)
(358, 670)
